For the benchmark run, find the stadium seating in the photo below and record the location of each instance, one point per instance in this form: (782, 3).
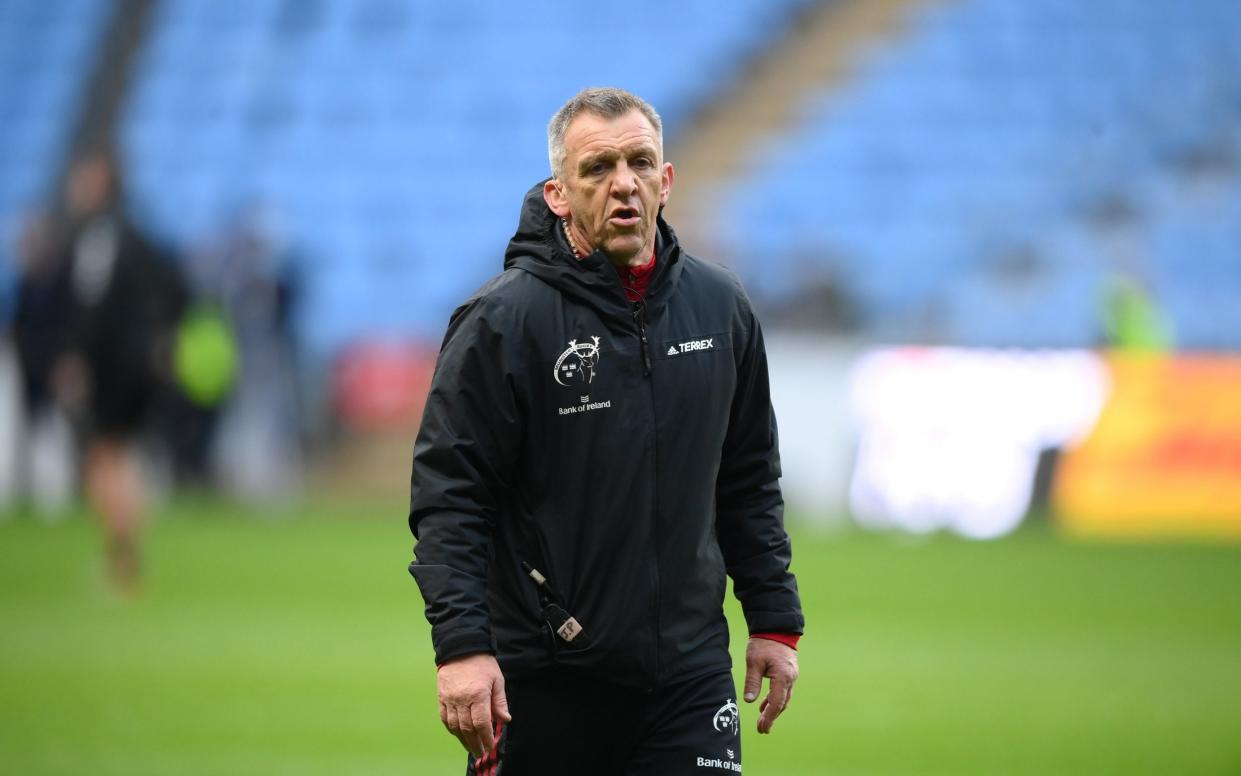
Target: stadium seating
(994, 132)
(46, 52)
(396, 136)
(975, 181)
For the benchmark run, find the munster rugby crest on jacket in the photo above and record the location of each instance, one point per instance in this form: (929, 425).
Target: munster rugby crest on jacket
(634, 504)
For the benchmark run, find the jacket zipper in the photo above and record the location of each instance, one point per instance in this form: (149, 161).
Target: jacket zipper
(638, 309)
(646, 348)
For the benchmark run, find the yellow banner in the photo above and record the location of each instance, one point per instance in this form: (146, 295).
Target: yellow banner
(1165, 456)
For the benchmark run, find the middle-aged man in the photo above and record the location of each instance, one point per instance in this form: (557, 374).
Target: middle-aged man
(598, 450)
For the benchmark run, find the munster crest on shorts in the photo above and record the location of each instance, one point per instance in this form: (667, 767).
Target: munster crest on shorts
(576, 365)
(727, 719)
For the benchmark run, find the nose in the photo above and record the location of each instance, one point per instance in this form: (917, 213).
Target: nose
(624, 181)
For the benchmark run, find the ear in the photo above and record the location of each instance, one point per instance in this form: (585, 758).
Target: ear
(665, 185)
(555, 198)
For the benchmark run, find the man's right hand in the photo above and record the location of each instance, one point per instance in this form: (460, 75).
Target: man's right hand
(471, 691)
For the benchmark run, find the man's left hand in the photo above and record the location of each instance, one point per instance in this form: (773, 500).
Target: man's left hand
(777, 662)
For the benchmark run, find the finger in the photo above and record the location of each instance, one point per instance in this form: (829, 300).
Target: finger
(448, 715)
(480, 716)
(454, 725)
(470, 734)
(778, 692)
(773, 705)
(499, 702)
(464, 728)
(767, 715)
(753, 681)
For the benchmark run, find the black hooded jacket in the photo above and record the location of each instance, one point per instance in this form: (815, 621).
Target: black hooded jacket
(626, 451)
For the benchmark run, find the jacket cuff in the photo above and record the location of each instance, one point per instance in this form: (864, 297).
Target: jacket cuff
(441, 664)
(786, 620)
(462, 644)
(787, 639)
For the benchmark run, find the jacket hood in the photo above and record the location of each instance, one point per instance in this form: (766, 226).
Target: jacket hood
(540, 248)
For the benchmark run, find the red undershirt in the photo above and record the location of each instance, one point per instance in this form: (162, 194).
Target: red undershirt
(635, 279)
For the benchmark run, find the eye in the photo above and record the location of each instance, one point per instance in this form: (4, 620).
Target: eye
(643, 162)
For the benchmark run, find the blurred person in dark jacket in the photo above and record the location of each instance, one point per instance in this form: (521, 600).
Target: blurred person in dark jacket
(41, 330)
(126, 299)
(41, 315)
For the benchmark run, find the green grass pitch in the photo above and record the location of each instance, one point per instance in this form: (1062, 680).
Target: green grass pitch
(297, 645)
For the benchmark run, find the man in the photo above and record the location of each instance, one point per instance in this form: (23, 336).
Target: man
(597, 451)
(126, 300)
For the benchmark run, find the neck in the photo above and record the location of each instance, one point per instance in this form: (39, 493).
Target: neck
(574, 244)
(636, 260)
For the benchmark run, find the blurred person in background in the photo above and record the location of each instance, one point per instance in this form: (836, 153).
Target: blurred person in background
(125, 301)
(246, 278)
(597, 452)
(41, 329)
(1132, 318)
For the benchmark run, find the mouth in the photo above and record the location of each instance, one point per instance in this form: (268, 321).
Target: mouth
(624, 217)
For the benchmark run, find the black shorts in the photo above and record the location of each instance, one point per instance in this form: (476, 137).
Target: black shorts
(566, 724)
(120, 404)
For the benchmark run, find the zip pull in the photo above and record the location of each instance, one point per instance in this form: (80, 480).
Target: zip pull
(646, 348)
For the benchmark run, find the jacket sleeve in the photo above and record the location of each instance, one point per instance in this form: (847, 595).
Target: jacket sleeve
(749, 506)
(463, 461)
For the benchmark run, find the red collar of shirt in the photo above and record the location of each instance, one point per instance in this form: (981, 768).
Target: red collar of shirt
(635, 279)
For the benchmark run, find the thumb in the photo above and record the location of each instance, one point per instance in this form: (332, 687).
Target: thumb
(753, 681)
(499, 702)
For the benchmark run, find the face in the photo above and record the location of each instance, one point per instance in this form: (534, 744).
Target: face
(611, 186)
(88, 186)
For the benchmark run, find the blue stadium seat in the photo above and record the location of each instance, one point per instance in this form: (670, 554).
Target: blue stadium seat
(996, 123)
(390, 125)
(46, 50)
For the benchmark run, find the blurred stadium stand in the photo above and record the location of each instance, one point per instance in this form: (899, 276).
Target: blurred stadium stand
(47, 52)
(975, 180)
(395, 137)
(981, 175)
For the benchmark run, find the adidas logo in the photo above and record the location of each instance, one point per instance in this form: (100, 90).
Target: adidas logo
(672, 351)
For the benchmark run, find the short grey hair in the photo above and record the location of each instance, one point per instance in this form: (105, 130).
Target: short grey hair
(604, 101)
